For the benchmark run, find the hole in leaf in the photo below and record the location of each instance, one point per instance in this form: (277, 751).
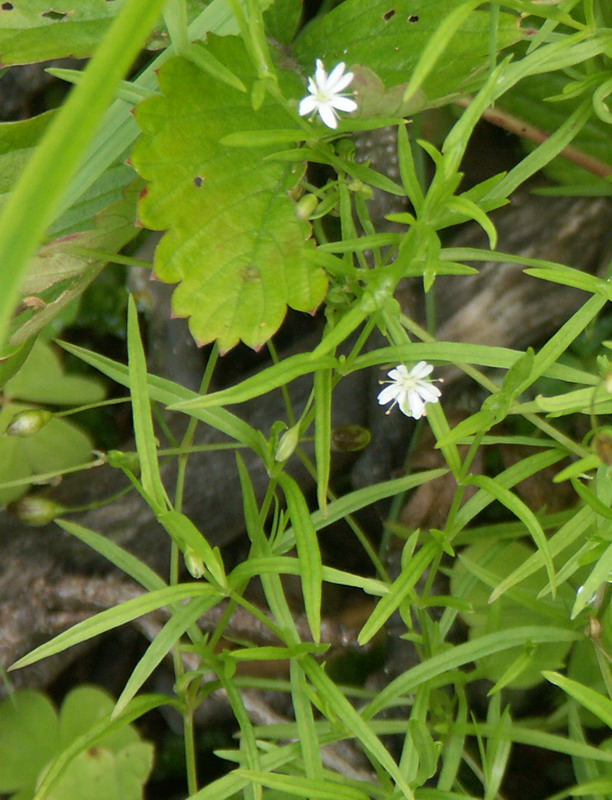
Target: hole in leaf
(7, 7)
(198, 181)
(389, 15)
(54, 15)
(413, 18)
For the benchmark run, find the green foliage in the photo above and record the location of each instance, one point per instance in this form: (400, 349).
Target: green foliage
(32, 734)
(477, 571)
(264, 210)
(383, 43)
(30, 31)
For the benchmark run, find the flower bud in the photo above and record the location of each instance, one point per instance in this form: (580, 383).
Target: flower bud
(287, 443)
(306, 206)
(36, 510)
(194, 563)
(350, 438)
(120, 460)
(28, 422)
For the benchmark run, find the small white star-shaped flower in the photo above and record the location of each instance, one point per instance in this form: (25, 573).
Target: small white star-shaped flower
(325, 94)
(410, 389)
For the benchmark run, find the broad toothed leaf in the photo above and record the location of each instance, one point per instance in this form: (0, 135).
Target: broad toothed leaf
(233, 239)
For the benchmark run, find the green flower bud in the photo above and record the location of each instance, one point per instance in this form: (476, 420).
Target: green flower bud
(194, 563)
(28, 422)
(287, 443)
(350, 438)
(120, 460)
(36, 510)
(305, 206)
(359, 187)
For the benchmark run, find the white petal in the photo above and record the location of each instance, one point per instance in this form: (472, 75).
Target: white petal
(388, 394)
(328, 115)
(412, 405)
(343, 103)
(312, 86)
(340, 84)
(307, 105)
(421, 369)
(429, 393)
(398, 373)
(320, 74)
(336, 75)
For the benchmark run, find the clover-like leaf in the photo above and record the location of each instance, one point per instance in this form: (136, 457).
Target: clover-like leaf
(480, 569)
(233, 238)
(388, 36)
(31, 734)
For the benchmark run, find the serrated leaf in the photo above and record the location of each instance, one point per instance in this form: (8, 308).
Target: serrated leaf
(388, 39)
(38, 30)
(233, 241)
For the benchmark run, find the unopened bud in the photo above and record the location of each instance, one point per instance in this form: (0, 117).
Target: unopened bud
(359, 187)
(36, 510)
(194, 563)
(306, 206)
(28, 422)
(287, 443)
(350, 438)
(120, 460)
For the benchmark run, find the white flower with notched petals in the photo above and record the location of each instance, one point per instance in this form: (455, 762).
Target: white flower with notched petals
(410, 389)
(325, 94)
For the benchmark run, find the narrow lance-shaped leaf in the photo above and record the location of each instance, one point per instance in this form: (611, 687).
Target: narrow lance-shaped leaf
(308, 552)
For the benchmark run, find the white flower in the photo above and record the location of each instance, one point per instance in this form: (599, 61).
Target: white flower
(411, 390)
(325, 94)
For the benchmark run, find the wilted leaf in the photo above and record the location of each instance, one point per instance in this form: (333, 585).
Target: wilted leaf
(62, 269)
(233, 241)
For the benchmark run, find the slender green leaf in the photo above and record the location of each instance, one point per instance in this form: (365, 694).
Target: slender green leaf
(167, 392)
(308, 550)
(128, 564)
(323, 402)
(461, 654)
(37, 195)
(146, 445)
(522, 512)
(265, 381)
(596, 703)
(114, 617)
(180, 621)
(398, 591)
